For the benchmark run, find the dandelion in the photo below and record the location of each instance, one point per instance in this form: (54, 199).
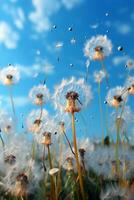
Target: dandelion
(39, 95)
(34, 123)
(71, 88)
(10, 76)
(99, 76)
(74, 103)
(98, 48)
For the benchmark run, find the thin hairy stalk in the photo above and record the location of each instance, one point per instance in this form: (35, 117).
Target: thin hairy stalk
(101, 111)
(53, 189)
(68, 142)
(77, 157)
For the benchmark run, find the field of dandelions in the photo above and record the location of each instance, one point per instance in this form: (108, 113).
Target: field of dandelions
(46, 160)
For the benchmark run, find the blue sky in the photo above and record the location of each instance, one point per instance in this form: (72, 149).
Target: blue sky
(28, 39)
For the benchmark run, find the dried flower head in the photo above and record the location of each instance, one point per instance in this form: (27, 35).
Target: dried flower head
(97, 48)
(39, 94)
(78, 94)
(9, 75)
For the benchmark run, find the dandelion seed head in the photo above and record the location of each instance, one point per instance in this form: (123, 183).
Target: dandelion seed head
(9, 75)
(39, 94)
(98, 43)
(67, 85)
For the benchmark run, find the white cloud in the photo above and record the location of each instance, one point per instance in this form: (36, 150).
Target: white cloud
(41, 66)
(69, 4)
(8, 36)
(19, 101)
(42, 13)
(123, 28)
(117, 60)
(17, 15)
(44, 9)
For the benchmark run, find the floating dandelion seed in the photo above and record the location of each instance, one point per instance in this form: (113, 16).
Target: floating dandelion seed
(59, 45)
(73, 41)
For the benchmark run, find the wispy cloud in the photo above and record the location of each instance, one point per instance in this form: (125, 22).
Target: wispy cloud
(69, 4)
(44, 9)
(41, 66)
(8, 37)
(123, 28)
(16, 13)
(19, 101)
(117, 60)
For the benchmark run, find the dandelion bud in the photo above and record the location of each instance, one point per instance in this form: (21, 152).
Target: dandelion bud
(71, 102)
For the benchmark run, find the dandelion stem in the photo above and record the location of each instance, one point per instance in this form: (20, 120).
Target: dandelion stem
(43, 158)
(101, 111)
(104, 69)
(68, 143)
(76, 157)
(3, 144)
(53, 189)
(12, 101)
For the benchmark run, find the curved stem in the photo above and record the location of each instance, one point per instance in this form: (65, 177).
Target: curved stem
(68, 143)
(77, 157)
